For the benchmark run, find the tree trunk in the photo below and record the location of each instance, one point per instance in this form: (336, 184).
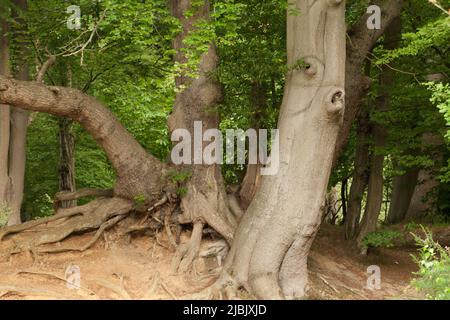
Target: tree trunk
(252, 178)
(4, 120)
(360, 42)
(66, 160)
(271, 245)
(402, 191)
(360, 176)
(375, 189)
(423, 200)
(206, 198)
(344, 184)
(18, 123)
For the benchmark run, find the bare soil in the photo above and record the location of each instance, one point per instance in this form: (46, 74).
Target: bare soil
(117, 267)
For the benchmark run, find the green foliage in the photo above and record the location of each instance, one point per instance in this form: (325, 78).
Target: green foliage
(179, 176)
(411, 226)
(5, 213)
(181, 191)
(434, 34)
(139, 199)
(433, 277)
(441, 98)
(382, 238)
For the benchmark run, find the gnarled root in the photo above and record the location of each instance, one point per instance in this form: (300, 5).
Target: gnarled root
(99, 214)
(224, 288)
(188, 252)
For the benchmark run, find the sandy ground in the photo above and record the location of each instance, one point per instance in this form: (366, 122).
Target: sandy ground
(116, 268)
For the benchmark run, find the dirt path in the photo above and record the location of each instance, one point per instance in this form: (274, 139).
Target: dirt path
(338, 272)
(117, 269)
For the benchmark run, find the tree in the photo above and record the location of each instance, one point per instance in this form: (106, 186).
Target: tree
(14, 120)
(273, 239)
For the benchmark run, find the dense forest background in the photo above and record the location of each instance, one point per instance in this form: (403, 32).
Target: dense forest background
(392, 175)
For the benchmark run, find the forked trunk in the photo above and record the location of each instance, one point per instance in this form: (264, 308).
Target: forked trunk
(271, 245)
(206, 198)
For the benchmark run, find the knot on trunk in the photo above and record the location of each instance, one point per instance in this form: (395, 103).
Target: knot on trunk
(335, 100)
(313, 66)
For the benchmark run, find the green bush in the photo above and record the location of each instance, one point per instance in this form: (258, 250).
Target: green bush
(381, 238)
(433, 277)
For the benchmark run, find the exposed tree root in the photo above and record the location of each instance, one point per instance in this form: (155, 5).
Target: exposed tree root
(224, 288)
(118, 289)
(8, 289)
(156, 281)
(108, 224)
(188, 252)
(99, 214)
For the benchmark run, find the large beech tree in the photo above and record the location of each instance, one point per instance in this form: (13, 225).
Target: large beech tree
(272, 242)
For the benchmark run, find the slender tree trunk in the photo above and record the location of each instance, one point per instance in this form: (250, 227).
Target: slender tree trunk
(5, 182)
(19, 121)
(402, 191)
(344, 184)
(272, 242)
(66, 160)
(375, 188)
(360, 176)
(252, 178)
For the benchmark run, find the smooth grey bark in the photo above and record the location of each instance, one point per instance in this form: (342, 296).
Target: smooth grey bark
(14, 121)
(5, 113)
(272, 242)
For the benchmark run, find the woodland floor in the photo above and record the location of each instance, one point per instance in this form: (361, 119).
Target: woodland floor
(116, 268)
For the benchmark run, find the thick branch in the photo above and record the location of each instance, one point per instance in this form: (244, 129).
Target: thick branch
(138, 172)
